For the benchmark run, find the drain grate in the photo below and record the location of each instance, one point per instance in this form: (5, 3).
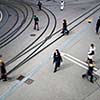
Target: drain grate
(20, 77)
(29, 81)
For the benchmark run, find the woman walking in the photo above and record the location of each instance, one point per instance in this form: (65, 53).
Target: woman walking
(57, 59)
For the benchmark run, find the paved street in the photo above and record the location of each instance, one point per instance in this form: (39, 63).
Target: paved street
(28, 53)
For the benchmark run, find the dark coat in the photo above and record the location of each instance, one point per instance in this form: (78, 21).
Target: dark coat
(98, 22)
(57, 59)
(2, 67)
(64, 26)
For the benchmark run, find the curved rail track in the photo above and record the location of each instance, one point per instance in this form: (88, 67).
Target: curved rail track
(9, 38)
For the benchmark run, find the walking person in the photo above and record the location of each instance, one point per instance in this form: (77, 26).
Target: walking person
(64, 29)
(57, 59)
(62, 5)
(97, 25)
(39, 5)
(91, 53)
(36, 22)
(3, 71)
(89, 72)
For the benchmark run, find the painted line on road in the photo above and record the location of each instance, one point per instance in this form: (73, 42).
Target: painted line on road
(76, 59)
(79, 62)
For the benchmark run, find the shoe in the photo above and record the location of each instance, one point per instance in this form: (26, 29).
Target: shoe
(91, 81)
(54, 71)
(5, 80)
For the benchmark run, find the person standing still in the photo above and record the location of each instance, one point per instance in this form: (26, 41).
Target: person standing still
(3, 71)
(97, 25)
(57, 59)
(39, 5)
(36, 22)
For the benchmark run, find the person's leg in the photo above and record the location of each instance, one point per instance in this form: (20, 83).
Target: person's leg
(3, 77)
(34, 26)
(97, 29)
(37, 26)
(91, 78)
(55, 69)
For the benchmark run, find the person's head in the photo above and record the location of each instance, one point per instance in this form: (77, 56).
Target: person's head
(57, 51)
(64, 20)
(92, 45)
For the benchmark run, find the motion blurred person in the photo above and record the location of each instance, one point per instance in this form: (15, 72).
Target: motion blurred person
(97, 25)
(3, 71)
(57, 59)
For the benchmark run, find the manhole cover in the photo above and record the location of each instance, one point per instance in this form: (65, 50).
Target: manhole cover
(29, 81)
(83, 8)
(20, 77)
(32, 34)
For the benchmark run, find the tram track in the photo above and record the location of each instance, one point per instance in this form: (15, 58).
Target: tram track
(4, 12)
(38, 50)
(5, 34)
(28, 49)
(10, 39)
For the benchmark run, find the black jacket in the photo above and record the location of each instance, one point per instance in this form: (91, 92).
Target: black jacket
(2, 67)
(98, 22)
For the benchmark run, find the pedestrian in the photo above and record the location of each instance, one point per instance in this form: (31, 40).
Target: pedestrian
(89, 72)
(57, 59)
(36, 22)
(3, 71)
(97, 25)
(39, 4)
(62, 5)
(91, 53)
(64, 29)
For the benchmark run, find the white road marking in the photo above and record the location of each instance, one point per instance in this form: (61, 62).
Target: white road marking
(78, 62)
